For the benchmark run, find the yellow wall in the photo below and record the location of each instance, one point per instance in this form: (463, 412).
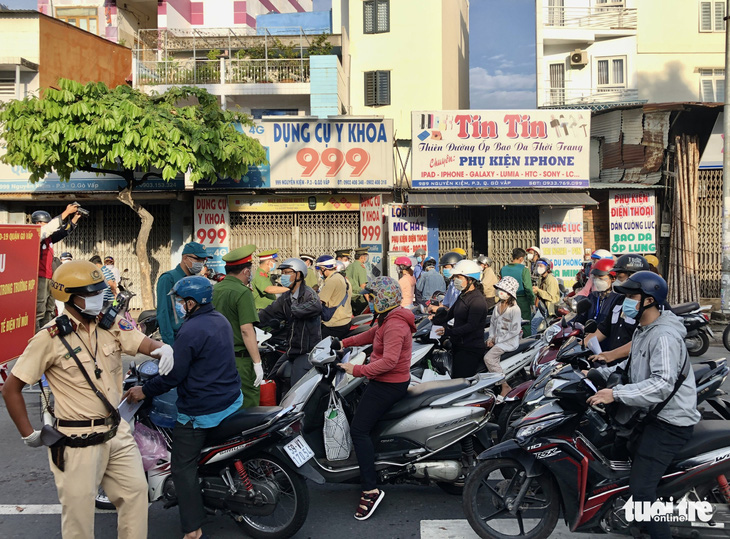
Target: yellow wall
(20, 37)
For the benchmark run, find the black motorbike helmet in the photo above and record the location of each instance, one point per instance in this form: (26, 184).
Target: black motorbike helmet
(450, 259)
(631, 264)
(646, 283)
(430, 261)
(40, 216)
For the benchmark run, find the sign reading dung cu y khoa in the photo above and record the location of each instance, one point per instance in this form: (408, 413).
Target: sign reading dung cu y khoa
(328, 154)
(633, 221)
(498, 148)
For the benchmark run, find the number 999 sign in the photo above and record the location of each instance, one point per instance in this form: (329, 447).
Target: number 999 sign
(211, 235)
(370, 233)
(334, 160)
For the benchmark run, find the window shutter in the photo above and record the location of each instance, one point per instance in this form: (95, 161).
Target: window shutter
(602, 72)
(719, 16)
(707, 91)
(370, 89)
(618, 72)
(383, 88)
(383, 15)
(705, 16)
(368, 17)
(720, 90)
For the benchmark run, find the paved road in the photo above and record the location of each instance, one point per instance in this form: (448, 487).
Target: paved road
(27, 489)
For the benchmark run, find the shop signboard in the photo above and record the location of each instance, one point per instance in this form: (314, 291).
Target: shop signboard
(561, 240)
(407, 228)
(328, 154)
(213, 228)
(632, 217)
(19, 252)
(371, 232)
(293, 203)
(501, 149)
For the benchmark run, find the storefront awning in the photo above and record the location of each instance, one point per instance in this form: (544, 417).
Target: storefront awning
(500, 199)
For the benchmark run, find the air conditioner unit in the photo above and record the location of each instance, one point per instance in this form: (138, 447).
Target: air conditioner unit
(578, 58)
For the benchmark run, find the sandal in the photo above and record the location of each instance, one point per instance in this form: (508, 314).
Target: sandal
(368, 504)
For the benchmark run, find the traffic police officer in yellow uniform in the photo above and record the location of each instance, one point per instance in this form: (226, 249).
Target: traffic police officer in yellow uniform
(357, 274)
(264, 292)
(91, 445)
(233, 299)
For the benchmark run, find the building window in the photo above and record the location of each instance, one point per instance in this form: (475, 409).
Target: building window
(377, 88)
(712, 85)
(611, 73)
(376, 16)
(80, 17)
(712, 16)
(603, 4)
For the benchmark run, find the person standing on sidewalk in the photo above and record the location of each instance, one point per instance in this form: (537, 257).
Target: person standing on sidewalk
(524, 295)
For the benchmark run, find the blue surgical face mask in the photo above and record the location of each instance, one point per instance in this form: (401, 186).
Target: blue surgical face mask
(447, 273)
(630, 308)
(273, 266)
(180, 309)
(420, 259)
(372, 307)
(286, 280)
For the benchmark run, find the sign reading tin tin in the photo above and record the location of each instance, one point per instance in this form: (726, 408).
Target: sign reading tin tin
(501, 148)
(328, 154)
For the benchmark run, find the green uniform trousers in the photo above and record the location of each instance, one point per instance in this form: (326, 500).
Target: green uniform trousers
(251, 394)
(526, 310)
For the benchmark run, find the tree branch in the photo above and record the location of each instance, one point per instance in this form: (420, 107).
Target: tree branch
(147, 176)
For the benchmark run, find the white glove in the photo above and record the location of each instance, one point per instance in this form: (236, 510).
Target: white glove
(259, 370)
(167, 360)
(33, 439)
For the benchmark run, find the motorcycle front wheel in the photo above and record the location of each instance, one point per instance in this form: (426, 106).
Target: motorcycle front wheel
(726, 337)
(488, 490)
(698, 345)
(292, 503)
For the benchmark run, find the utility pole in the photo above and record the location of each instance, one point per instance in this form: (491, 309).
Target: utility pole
(725, 283)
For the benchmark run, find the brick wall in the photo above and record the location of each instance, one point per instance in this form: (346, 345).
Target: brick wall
(596, 226)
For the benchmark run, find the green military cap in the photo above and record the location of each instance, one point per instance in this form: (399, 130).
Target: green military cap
(361, 251)
(242, 255)
(267, 255)
(306, 257)
(342, 252)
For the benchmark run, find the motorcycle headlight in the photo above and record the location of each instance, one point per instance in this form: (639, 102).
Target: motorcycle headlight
(551, 332)
(530, 430)
(574, 305)
(551, 386)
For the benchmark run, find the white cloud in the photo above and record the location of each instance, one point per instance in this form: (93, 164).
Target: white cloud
(499, 89)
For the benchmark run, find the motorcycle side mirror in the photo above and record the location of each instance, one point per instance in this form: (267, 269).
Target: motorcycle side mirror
(583, 306)
(563, 323)
(133, 367)
(591, 326)
(446, 344)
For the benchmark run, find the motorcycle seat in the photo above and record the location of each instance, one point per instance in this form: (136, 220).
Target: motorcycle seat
(243, 419)
(524, 345)
(706, 436)
(685, 308)
(701, 370)
(144, 315)
(421, 395)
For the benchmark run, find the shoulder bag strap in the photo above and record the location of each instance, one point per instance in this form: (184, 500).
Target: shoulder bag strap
(680, 380)
(111, 409)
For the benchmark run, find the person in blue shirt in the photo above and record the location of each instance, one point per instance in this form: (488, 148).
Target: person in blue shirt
(447, 263)
(208, 389)
(418, 268)
(429, 282)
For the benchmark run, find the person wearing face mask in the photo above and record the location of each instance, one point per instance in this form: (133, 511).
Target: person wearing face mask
(194, 256)
(300, 308)
(420, 256)
(82, 362)
(208, 391)
(335, 295)
(429, 283)
(524, 295)
(447, 263)
(547, 291)
(504, 328)
(111, 291)
(406, 281)
(312, 279)
(233, 299)
(533, 256)
(489, 279)
(657, 397)
(616, 331)
(603, 299)
(343, 255)
(264, 292)
(357, 275)
(469, 314)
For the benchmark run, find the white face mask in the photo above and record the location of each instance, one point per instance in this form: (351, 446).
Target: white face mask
(530, 256)
(541, 270)
(504, 296)
(346, 263)
(599, 285)
(93, 304)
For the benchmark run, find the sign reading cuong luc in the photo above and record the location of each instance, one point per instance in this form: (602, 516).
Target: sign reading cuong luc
(501, 148)
(633, 221)
(561, 241)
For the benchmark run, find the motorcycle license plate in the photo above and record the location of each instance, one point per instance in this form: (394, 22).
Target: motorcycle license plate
(299, 451)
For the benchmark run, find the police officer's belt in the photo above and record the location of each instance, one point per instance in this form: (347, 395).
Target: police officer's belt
(109, 420)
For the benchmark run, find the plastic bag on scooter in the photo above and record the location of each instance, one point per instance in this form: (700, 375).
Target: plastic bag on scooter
(337, 441)
(151, 445)
(430, 375)
(442, 361)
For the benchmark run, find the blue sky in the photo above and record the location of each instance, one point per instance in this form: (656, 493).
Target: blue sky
(501, 48)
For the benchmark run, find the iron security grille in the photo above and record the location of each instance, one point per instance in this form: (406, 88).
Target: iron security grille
(455, 231)
(709, 233)
(509, 228)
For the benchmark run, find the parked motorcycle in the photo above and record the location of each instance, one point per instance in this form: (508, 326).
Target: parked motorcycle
(697, 324)
(254, 469)
(147, 320)
(552, 464)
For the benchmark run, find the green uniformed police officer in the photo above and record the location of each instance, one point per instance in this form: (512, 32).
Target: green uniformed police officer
(264, 293)
(234, 300)
(343, 255)
(357, 274)
(312, 281)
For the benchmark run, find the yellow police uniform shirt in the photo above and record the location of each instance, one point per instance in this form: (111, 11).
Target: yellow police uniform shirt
(331, 294)
(74, 398)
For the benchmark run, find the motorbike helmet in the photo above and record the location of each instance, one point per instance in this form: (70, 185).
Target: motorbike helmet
(652, 260)
(631, 264)
(467, 268)
(76, 277)
(40, 216)
(546, 262)
(195, 287)
(326, 262)
(420, 252)
(385, 292)
(460, 251)
(429, 262)
(601, 253)
(340, 266)
(484, 259)
(535, 250)
(297, 264)
(66, 256)
(603, 267)
(509, 285)
(646, 283)
(403, 261)
(451, 259)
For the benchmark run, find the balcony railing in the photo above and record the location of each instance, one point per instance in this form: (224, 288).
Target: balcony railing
(223, 71)
(555, 97)
(596, 18)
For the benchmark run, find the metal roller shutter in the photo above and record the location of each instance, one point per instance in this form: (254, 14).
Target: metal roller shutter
(455, 230)
(509, 228)
(709, 233)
